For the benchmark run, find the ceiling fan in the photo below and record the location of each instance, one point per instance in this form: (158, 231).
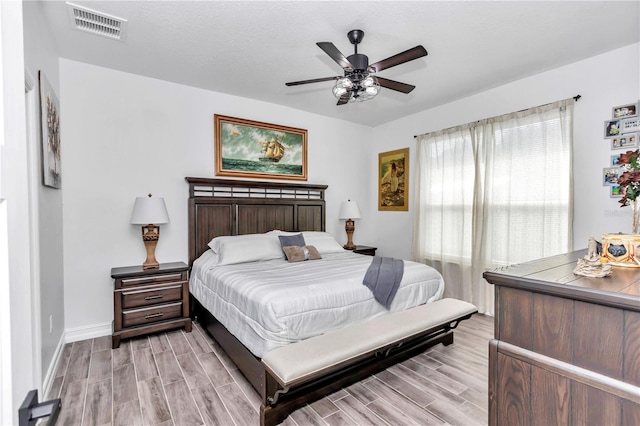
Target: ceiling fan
(358, 83)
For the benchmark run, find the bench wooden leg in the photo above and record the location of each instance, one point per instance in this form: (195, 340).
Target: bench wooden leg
(447, 339)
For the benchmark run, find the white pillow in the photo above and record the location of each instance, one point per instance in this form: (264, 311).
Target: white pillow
(246, 248)
(322, 241)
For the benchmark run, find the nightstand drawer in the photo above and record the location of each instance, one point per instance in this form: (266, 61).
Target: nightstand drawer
(152, 279)
(151, 296)
(134, 317)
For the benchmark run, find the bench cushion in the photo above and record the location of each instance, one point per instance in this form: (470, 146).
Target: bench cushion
(297, 362)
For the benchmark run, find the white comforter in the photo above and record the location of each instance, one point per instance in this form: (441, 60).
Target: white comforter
(272, 303)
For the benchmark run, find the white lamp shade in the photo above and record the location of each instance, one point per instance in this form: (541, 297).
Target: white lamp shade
(349, 210)
(149, 211)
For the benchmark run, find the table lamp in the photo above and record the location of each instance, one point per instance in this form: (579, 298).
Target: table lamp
(349, 210)
(150, 212)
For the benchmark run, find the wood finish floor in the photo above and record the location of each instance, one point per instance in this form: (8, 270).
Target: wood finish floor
(179, 378)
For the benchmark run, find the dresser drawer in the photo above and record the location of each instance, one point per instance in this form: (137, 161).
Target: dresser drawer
(151, 295)
(152, 279)
(141, 316)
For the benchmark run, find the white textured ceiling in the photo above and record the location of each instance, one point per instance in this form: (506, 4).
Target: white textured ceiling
(251, 49)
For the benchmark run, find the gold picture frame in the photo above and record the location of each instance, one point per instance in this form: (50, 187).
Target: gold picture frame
(393, 180)
(253, 149)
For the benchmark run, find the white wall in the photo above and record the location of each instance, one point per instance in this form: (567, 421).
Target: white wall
(603, 81)
(16, 332)
(40, 54)
(127, 135)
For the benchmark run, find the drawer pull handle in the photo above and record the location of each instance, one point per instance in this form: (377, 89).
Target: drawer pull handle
(153, 315)
(159, 296)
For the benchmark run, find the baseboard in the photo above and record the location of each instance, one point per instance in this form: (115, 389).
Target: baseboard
(68, 336)
(53, 367)
(87, 332)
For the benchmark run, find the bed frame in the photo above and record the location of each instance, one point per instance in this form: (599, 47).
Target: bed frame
(231, 207)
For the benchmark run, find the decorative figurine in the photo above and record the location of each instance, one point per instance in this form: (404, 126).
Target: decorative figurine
(590, 265)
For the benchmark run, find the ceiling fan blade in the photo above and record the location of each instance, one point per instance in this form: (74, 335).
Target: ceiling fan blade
(335, 54)
(344, 98)
(315, 80)
(395, 85)
(400, 58)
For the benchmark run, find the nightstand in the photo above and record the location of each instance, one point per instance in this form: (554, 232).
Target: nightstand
(149, 300)
(366, 250)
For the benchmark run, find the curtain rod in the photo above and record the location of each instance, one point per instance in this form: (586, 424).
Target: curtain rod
(575, 98)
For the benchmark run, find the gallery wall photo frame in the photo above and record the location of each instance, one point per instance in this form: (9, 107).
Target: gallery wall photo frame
(627, 141)
(254, 149)
(629, 125)
(615, 191)
(614, 160)
(612, 128)
(50, 131)
(393, 180)
(625, 111)
(610, 175)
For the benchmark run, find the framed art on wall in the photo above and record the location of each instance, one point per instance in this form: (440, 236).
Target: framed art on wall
(245, 148)
(624, 111)
(625, 141)
(393, 180)
(610, 175)
(611, 128)
(615, 191)
(629, 125)
(50, 128)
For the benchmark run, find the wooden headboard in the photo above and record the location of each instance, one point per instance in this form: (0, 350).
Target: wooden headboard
(233, 207)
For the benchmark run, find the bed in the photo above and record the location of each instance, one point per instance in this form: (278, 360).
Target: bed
(271, 303)
(220, 208)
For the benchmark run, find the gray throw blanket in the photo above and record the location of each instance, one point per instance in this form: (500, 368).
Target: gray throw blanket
(383, 278)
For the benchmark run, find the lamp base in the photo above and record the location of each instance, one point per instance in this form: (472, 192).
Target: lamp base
(150, 239)
(349, 227)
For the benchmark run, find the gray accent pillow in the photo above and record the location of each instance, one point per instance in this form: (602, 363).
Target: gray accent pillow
(296, 240)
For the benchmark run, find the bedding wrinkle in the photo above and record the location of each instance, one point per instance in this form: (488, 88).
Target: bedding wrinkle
(272, 303)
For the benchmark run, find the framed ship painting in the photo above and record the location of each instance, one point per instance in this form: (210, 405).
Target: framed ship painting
(252, 149)
(393, 180)
(50, 127)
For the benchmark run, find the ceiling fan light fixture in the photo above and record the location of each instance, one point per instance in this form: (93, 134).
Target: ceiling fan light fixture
(343, 85)
(369, 88)
(369, 81)
(372, 91)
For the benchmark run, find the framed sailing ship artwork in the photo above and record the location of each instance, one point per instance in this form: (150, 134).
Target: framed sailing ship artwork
(252, 149)
(393, 180)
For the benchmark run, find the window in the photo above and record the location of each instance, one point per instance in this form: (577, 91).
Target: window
(493, 193)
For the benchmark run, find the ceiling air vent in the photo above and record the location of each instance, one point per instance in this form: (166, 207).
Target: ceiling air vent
(98, 23)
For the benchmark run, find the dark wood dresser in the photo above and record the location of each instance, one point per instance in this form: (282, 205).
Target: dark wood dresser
(149, 300)
(566, 348)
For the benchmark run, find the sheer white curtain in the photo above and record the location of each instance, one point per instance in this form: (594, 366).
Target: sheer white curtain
(494, 193)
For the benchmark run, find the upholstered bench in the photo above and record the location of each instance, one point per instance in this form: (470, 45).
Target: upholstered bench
(357, 350)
